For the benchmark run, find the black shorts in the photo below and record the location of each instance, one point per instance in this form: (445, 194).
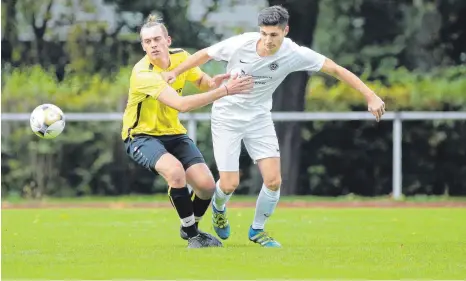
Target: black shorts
(146, 150)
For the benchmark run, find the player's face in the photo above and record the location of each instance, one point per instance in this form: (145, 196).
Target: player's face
(155, 42)
(272, 37)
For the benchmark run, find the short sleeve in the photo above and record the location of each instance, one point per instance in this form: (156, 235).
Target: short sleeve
(225, 49)
(149, 83)
(194, 74)
(308, 60)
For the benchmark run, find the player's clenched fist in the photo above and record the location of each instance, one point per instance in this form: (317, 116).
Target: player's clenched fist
(169, 77)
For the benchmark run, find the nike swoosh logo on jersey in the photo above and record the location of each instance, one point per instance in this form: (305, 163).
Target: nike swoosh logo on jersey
(241, 61)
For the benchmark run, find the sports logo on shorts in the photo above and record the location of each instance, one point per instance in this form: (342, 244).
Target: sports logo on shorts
(273, 66)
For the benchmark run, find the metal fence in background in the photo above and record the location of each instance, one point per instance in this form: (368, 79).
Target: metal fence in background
(193, 118)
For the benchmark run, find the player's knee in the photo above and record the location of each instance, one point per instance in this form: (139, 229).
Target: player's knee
(206, 183)
(229, 186)
(206, 188)
(273, 183)
(176, 176)
(205, 194)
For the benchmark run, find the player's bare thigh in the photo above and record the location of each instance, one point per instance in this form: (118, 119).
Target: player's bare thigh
(270, 169)
(201, 179)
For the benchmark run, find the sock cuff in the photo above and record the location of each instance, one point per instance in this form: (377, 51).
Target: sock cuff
(270, 192)
(179, 192)
(188, 221)
(219, 191)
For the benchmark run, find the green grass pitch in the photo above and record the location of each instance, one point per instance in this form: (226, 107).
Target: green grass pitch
(365, 243)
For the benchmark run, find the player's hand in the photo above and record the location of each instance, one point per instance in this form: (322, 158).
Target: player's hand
(239, 85)
(169, 77)
(376, 106)
(217, 80)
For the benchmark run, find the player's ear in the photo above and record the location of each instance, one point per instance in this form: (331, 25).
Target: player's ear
(169, 40)
(287, 29)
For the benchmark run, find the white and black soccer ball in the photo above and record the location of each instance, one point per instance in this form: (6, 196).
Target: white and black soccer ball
(47, 121)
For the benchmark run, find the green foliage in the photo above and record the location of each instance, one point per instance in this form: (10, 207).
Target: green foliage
(402, 90)
(383, 35)
(26, 88)
(342, 157)
(89, 157)
(175, 13)
(382, 41)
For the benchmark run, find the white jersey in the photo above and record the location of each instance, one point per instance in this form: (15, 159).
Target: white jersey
(268, 72)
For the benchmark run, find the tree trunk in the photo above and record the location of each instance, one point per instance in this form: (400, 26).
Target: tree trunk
(290, 95)
(10, 34)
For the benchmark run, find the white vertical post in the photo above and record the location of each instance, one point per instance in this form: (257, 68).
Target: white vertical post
(192, 133)
(192, 128)
(397, 155)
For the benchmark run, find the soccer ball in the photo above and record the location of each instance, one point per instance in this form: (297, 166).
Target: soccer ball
(47, 121)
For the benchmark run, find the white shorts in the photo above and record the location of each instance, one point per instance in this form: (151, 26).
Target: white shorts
(259, 137)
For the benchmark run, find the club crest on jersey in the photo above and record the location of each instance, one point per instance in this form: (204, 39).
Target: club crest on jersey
(273, 66)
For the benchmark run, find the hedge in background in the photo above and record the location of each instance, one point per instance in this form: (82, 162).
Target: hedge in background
(338, 157)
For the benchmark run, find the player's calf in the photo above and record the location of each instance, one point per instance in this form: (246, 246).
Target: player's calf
(182, 202)
(199, 208)
(224, 189)
(173, 172)
(201, 180)
(202, 200)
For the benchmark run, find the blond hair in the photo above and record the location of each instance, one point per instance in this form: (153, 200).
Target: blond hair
(154, 20)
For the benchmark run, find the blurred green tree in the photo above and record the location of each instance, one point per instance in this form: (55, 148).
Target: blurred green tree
(184, 31)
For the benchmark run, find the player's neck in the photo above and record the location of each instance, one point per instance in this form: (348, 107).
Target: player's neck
(163, 63)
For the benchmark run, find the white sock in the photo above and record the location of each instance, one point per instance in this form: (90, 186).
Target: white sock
(220, 198)
(265, 205)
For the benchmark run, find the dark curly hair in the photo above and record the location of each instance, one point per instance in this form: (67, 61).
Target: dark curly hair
(273, 16)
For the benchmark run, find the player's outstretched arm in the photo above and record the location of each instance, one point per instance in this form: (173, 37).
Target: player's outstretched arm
(235, 85)
(198, 58)
(206, 83)
(375, 104)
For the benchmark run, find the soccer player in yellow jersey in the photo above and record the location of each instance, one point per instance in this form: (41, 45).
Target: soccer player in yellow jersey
(153, 135)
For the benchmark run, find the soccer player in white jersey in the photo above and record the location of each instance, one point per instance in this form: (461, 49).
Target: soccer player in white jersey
(268, 56)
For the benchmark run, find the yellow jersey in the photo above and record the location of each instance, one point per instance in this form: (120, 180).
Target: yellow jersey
(144, 114)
